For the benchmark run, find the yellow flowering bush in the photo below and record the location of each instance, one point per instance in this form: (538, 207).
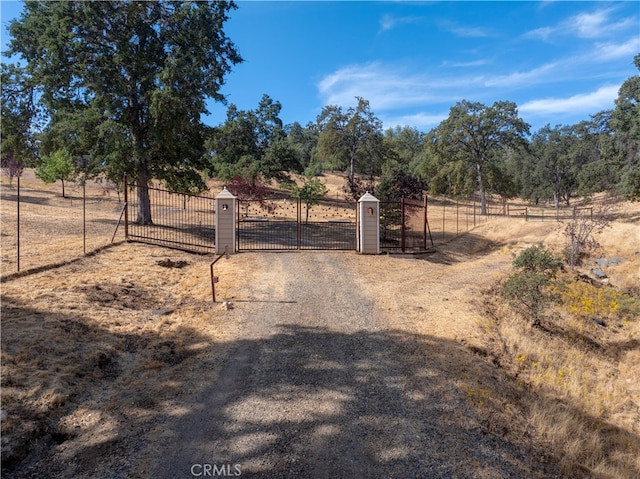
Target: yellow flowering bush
(587, 300)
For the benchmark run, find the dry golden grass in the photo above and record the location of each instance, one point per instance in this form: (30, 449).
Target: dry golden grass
(579, 380)
(108, 344)
(106, 341)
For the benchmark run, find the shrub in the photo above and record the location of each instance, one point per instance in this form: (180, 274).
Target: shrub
(586, 300)
(529, 285)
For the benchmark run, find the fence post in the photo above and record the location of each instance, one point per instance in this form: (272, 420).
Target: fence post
(444, 209)
(225, 222)
(369, 224)
(126, 208)
(474, 210)
(18, 227)
(403, 234)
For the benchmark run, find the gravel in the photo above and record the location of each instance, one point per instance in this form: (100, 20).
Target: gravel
(322, 385)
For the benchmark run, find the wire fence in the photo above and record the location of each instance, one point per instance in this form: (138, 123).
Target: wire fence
(40, 227)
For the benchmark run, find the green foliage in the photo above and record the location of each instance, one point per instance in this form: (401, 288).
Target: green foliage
(528, 287)
(404, 144)
(252, 143)
(468, 148)
(626, 125)
(137, 73)
(539, 260)
(351, 139)
(397, 182)
(311, 191)
(19, 116)
(57, 166)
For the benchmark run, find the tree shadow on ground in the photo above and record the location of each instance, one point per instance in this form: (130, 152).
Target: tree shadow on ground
(303, 402)
(309, 402)
(77, 393)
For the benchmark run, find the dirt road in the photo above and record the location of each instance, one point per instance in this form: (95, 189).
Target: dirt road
(324, 383)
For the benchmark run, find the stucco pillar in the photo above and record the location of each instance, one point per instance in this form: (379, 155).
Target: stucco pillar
(369, 224)
(225, 222)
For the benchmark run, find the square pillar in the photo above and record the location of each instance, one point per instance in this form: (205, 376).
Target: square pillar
(225, 222)
(369, 224)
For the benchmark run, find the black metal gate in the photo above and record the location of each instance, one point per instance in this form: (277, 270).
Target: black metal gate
(180, 221)
(285, 223)
(404, 226)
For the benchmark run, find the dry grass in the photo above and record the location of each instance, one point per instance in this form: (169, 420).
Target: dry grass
(106, 342)
(578, 376)
(107, 345)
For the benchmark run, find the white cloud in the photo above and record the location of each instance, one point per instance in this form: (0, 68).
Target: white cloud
(389, 22)
(465, 30)
(586, 25)
(472, 63)
(386, 87)
(539, 74)
(584, 103)
(422, 121)
(597, 24)
(614, 51)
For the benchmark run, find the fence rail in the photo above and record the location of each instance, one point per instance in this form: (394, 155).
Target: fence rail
(40, 228)
(179, 221)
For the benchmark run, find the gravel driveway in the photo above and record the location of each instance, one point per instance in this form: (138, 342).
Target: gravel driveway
(322, 385)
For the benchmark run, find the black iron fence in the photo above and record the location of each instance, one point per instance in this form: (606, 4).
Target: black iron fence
(180, 221)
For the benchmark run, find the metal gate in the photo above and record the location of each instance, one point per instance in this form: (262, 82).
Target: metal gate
(285, 223)
(404, 226)
(180, 221)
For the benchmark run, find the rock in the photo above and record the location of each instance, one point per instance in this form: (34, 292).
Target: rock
(226, 305)
(162, 311)
(598, 321)
(3, 415)
(599, 273)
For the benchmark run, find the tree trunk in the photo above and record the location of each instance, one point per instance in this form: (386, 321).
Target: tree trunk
(483, 196)
(352, 168)
(62, 180)
(144, 205)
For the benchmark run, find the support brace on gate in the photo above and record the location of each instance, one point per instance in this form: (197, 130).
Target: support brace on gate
(215, 279)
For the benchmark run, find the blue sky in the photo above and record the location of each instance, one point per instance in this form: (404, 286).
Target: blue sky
(560, 61)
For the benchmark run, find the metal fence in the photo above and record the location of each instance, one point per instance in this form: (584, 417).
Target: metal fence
(40, 227)
(404, 225)
(539, 213)
(179, 221)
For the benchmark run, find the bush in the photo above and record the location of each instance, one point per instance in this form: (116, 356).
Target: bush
(529, 285)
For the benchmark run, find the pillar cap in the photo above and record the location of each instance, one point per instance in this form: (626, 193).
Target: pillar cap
(225, 194)
(368, 197)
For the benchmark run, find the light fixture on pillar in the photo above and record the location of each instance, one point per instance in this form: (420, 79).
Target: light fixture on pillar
(370, 211)
(225, 207)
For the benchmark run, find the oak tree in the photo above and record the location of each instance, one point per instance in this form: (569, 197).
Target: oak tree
(141, 70)
(473, 141)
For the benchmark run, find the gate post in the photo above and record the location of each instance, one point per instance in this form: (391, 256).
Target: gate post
(369, 224)
(225, 222)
